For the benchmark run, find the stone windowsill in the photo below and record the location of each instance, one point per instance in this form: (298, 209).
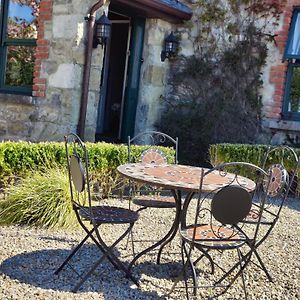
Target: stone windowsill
(282, 125)
(17, 99)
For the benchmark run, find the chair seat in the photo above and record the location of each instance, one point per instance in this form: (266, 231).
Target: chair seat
(215, 237)
(155, 201)
(252, 218)
(109, 214)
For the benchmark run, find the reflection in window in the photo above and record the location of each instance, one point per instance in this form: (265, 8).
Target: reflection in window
(291, 103)
(294, 104)
(18, 36)
(293, 46)
(19, 67)
(22, 19)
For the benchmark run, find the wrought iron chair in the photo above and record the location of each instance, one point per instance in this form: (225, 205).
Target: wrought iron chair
(277, 160)
(211, 227)
(91, 216)
(147, 196)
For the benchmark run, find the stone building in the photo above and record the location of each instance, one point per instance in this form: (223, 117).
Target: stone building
(54, 79)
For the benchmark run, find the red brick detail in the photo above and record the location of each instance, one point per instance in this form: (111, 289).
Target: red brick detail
(42, 49)
(278, 73)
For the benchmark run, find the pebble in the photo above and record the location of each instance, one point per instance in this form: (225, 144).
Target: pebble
(29, 257)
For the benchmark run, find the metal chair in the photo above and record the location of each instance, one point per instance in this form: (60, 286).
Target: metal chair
(146, 196)
(277, 160)
(91, 216)
(211, 227)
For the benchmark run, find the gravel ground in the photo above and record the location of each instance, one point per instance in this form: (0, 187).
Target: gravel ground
(29, 257)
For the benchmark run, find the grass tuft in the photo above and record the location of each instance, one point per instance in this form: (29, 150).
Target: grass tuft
(42, 199)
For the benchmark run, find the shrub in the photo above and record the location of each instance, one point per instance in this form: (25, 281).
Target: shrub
(220, 153)
(42, 199)
(37, 192)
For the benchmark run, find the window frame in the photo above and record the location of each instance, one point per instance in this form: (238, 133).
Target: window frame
(293, 61)
(289, 115)
(296, 12)
(5, 42)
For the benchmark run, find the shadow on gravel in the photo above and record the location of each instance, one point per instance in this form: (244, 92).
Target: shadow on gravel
(293, 203)
(37, 269)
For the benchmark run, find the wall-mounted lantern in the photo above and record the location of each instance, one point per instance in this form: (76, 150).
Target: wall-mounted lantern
(102, 31)
(170, 47)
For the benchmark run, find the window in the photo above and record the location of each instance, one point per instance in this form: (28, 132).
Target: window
(17, 45)
(291, 103)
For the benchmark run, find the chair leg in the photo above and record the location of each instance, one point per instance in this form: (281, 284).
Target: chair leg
(109, 254)
(194, 275)
(242, 272)
(262, 266)
(183, 251)
(205, 254)
(242, 263)
(72, 253)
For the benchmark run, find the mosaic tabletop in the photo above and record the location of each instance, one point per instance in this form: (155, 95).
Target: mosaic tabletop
(180, 176)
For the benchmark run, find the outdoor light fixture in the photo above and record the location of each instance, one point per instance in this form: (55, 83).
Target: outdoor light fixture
(102, 31)
(170, 47)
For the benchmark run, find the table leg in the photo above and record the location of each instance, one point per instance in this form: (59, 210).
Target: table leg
(175, 228)
(169, 236)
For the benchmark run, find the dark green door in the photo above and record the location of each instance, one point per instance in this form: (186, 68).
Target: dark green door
(133, 80)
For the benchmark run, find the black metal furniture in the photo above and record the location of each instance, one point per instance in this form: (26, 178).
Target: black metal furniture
(211, 227)
(179, 179)
(277, 160)
(147, 196)
(90, 215)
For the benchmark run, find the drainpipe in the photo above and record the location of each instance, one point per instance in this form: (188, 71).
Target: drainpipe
(87, 66)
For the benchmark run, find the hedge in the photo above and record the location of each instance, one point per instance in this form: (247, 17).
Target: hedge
(21, 158)
(242, 152)
(220, 153)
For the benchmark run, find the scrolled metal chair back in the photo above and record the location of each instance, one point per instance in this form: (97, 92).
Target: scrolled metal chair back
(283, 163)
(221, 210)
(77, 163)
(152, 140)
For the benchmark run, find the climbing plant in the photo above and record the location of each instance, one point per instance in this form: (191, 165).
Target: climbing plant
(215, 94)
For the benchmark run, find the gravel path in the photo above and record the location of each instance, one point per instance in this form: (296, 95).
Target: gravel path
(29, 257)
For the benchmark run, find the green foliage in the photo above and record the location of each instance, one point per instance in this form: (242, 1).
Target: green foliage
(21, 158)
(42, 199)
(36, 184)
(220, 153)
(215, 95)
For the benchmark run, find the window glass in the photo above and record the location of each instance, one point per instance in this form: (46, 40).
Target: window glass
(19, 66)
(22, 19)
(294, 93)
(294, 41)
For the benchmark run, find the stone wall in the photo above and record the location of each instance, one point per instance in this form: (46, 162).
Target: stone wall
(274, 81)
(273, 75)
(54, 109)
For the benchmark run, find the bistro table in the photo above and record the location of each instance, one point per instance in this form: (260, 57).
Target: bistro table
(177, 178)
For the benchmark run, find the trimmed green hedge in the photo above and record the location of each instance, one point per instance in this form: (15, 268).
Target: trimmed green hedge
(220, 153)
(21, 158)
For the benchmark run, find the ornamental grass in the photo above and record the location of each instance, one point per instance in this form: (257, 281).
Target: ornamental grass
(42, 199)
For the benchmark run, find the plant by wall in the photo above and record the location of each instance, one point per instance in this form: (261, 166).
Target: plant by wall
(215, 94)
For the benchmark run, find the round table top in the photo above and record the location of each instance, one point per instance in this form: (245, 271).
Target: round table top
(187, 178)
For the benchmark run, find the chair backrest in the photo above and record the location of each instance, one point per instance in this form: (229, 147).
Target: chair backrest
(223, 209)
(283, 163)
(77, 163)
(152, 152)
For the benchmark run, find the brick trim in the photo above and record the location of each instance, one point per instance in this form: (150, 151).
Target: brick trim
(42, 48)
(278, 73)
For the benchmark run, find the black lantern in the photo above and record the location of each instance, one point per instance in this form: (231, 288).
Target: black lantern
(102, 31)
(170, 47)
